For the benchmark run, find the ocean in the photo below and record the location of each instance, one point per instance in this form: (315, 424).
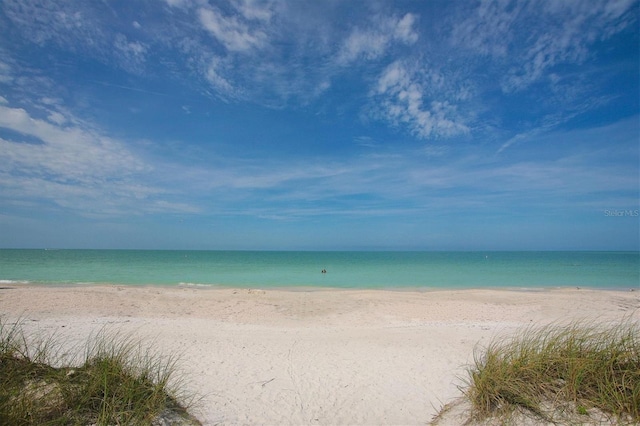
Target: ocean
(293, 269)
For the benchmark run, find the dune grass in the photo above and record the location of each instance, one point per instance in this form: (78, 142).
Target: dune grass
(569, 374)
(119, 382)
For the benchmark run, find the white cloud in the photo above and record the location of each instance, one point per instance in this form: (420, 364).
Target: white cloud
(5, 73)
(252, 9)
(393, 76)
(490, 29)
(50, 101)
(400, 95)
(373, 42)
(65, 154)
(364, 44)
(73, 166)
(404, 29)
(57, 118)
(177, 3)
(214, 76)
(255, 52)
(235, 35)
(130, 54)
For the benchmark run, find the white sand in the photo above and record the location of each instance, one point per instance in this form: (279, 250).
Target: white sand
(310, 357)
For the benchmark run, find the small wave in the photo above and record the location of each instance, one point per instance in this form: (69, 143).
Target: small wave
(14, 282)
(193, 285)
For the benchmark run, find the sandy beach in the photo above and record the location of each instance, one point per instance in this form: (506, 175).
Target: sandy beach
(310, 356)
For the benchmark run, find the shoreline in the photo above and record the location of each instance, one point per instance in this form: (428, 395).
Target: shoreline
(14, 284)
(262, 356)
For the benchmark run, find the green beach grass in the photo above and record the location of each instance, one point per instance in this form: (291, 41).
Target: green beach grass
(119, 382)
(581, 373)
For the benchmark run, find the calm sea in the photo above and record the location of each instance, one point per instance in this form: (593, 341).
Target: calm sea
(270, 269)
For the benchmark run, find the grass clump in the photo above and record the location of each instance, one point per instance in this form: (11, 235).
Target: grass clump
(567, 374)
(119, 382)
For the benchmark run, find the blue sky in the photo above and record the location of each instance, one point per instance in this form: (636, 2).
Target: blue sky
(430, 125)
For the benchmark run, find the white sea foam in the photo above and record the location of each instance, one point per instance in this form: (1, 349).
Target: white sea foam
(193, 285)
(14, 282)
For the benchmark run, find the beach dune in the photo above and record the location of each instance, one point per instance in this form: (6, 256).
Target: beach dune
(310, 356)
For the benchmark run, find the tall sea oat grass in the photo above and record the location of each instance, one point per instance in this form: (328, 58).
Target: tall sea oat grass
(119, 382)
(560, 373)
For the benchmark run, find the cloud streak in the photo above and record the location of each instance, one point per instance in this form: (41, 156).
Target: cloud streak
(415, 182)
(82, 170)
(76, 168)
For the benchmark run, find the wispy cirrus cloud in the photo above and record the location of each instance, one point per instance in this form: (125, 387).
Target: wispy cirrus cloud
(62, 23)
(426, 76)
(527, 41)
(248, 51)
(429, 180)
(79, 28)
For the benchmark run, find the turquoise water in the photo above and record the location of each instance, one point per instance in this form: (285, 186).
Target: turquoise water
(269, 269)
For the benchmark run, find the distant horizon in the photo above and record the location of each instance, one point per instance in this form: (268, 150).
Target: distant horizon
(320, 125)
(329, 250)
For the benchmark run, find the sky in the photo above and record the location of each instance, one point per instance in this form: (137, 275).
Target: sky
(320, 125)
